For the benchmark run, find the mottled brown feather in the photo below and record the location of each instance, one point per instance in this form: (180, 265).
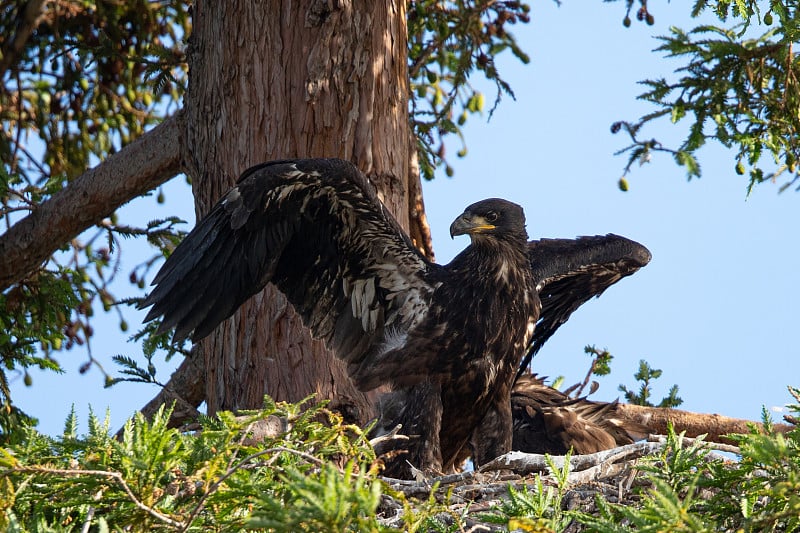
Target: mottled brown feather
(548, 421)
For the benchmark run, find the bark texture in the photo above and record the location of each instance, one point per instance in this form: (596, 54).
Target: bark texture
(713, 426)
(288, 79)
(419, 229)
(138, 168)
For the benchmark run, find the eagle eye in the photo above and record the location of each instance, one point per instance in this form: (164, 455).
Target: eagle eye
(491, 216)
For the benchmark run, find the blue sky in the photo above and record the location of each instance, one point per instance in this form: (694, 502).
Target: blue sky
(717, 307)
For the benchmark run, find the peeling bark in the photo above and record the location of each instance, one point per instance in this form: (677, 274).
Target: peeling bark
(136, 169)
(276, 80)
(420, 230)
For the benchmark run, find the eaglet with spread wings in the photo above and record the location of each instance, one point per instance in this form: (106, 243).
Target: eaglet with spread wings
(448, 338)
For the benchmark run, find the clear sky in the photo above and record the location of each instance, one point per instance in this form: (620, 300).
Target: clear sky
(717, 307)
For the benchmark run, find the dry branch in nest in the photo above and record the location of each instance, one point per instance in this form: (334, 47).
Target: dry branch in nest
(611, 473)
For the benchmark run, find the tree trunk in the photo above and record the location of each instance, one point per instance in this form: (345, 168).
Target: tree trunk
(282, 79)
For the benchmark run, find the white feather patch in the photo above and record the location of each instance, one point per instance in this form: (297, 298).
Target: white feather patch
(362, 303)
(394, 338)
(502, 272)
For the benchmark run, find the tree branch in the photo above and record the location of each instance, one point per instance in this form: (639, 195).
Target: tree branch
(526, 463)
(28, 20)
(715, 427)
(186, 387)
(116, 476)
(139, 167)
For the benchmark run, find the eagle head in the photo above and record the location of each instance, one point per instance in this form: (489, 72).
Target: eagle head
(493, 217)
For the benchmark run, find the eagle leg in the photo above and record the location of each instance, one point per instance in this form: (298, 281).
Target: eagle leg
(421, 418)
(492, 437)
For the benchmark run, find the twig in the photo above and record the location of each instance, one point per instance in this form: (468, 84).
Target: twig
(214, 486)
(116, 476)
(576, 393)
(719, 446)
(392, 435)
(464, 482)
(527, 463)
(602, 471)
(89, 517)
(789, 58)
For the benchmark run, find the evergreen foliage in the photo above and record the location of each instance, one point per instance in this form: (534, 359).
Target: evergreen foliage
(536, 509)
(734, 87)
(690, 489)
(645, 375)
(319, 474)
(448, 42)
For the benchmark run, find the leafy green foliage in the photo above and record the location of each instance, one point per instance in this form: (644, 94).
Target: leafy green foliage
(318, 475)
(765, 489)
(430, 515)
(740, 90)
(601, 360)
(646, 374)
(447, 42)
(688, 489)
(52, 310)
(79, 81)
(82, 83)
(153, 343)
(333, 500)
(48, 300)
(601, 366)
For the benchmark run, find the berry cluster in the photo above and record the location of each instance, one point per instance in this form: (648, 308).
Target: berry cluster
(642, 14)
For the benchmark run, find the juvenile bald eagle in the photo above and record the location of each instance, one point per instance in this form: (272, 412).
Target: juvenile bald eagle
(447, 338)
(548, 421)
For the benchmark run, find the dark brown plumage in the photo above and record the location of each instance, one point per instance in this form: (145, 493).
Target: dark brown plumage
(548, 421)
(569, 272)
(448, 339)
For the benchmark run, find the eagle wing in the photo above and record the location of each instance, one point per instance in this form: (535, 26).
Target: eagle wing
(548, 421)
(568, 272)
(316, 229)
